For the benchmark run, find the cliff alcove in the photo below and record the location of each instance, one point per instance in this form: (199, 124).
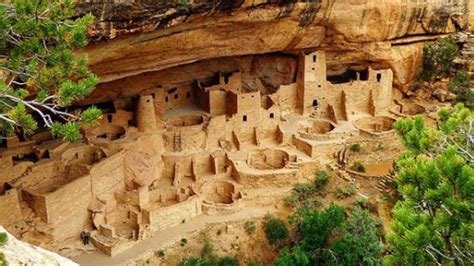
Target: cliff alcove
(213, 110)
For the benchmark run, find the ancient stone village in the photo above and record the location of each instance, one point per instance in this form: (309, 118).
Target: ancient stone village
(196, 144)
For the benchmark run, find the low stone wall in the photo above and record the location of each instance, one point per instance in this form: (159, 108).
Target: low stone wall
(263, 178)
(185, 121)
(10, 201)
(267, 159)
(37, 203)
(160, 218)
(67, 208)
(377, 135)
(323, 137)
(213, 208)
(303, 146)
(110, 246)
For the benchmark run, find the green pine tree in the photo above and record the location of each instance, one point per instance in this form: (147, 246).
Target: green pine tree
(359, 243)
(433, 223)
(40, 75)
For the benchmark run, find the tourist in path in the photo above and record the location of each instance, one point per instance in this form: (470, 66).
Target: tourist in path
(85, 237)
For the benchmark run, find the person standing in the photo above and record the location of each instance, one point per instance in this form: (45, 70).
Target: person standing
(85, 237)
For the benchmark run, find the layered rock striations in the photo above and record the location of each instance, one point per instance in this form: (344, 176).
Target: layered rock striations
(151, 36)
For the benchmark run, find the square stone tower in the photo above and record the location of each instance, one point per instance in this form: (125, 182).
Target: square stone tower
(311, 81)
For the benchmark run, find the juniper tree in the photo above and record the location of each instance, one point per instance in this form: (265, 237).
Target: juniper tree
(433, 224)
(328, 238)
(438, 58)
(460, 85)
(40, 75)
(359, 243)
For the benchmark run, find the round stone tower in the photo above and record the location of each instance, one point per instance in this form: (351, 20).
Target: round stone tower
(146, 118)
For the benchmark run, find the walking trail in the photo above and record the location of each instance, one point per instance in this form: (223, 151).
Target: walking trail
(165, 237)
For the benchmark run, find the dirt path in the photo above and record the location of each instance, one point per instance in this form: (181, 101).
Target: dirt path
(168, 236)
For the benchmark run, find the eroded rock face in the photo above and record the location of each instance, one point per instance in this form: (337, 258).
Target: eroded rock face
(139, 170)
(21, 253)
(384, 32)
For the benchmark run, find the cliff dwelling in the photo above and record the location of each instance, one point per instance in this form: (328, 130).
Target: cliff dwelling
(173, 152)
(211, 136)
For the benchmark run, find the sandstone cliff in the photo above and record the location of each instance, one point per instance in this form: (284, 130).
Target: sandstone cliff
(154, 35)
(21, 253)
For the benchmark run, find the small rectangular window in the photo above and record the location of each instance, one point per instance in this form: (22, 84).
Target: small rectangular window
(176, 96)
(153, 95)
(166, 99)
(314, 59)
(272, 115)
(379, 77)
(109, 118)
(245, 118)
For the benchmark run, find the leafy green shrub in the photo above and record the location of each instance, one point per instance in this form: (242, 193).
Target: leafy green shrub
(303, 190)
(228, 261)
(207, 249)
(321, 181)
(3, 238)
(342, 193)
(275, 230)
(310, 203)
(379, 147)
(161, 253)
(250, 227)
(460, 85)
(362, 202)
(183, 4)
(438, 59)
(291, 201)
(207, 258)
(358, 166)
(315, 229)
(389, 198)
(356, 147)
(190, 261)
(255, 263)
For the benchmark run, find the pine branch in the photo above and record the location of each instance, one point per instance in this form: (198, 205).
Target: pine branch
(5, 118)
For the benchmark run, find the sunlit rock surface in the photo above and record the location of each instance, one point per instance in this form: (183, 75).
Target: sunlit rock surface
(20, 253)
(153, 36)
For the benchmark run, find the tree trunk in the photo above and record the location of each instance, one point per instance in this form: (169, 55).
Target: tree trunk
(447, 241)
